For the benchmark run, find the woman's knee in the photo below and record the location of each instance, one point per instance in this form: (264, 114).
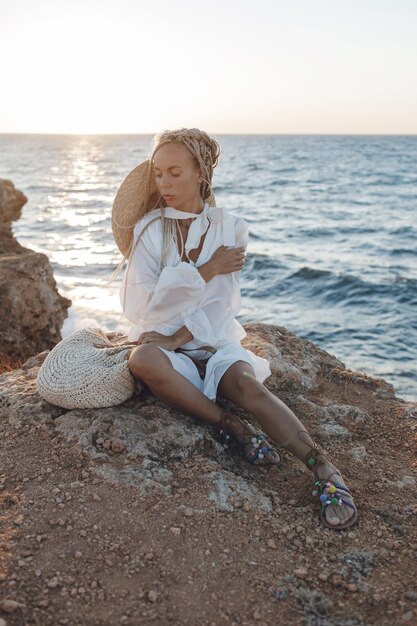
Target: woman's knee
(247, 384)
(240, 377)
(146, 359)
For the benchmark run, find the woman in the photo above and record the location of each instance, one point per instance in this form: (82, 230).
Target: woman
(181, 294)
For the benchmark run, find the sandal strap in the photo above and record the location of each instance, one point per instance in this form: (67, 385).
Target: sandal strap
(348, 504)
(315, 456)
(342, 488)
(248, 437)
(330, 492)
(338, 485)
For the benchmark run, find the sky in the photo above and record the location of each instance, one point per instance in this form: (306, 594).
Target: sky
(224, 66)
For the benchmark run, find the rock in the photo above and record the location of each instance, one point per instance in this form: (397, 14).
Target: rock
(152, 437)
(10, 606)
(117, 446)
(188, 512)
(228, 485)
(301, 572)
(411, 412)
(332, 431)
(411, 595)
(31, 308)
(295, 362)
(404, 481)
(358, 453)
(11, 202)
(344, 412)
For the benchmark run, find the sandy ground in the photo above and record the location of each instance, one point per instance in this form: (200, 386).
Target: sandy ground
(78, 550)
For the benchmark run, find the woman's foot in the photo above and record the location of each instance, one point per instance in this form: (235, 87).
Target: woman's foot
(256, 448)
(336, 515)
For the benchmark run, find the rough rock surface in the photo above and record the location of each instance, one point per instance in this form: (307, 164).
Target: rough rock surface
(31, 309)
(137, 514)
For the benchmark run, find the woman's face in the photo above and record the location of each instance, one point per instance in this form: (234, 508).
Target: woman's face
(176, 175)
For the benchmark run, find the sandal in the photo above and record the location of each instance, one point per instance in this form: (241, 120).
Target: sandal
(329, 491)
(260, 447)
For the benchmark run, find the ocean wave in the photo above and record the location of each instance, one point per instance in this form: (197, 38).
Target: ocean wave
(401, 251)
(345, 289)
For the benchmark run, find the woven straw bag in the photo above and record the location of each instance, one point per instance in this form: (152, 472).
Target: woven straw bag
(86, 370)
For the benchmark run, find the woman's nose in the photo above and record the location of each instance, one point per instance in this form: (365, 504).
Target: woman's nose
(164, 182)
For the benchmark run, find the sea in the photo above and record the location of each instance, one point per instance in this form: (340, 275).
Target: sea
(332, 254)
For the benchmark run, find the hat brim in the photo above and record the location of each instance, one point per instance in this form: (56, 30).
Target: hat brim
(128, 205)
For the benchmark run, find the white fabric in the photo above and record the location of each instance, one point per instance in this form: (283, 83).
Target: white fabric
(164, 301)
(217, 365)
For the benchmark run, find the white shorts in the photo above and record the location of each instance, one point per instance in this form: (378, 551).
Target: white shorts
(216, 366)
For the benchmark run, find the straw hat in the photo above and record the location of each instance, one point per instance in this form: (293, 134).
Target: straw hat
(127, 205)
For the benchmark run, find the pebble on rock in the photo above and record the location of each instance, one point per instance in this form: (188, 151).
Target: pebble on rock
(117, 446)
(9, 606)
(301, 572)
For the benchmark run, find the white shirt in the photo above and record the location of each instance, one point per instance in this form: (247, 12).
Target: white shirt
(177, 296)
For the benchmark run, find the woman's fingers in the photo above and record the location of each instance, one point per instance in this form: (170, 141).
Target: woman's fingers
(149, 336)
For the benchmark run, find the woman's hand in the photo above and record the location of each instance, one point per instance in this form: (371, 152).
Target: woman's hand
(169, 342)
(226, 260)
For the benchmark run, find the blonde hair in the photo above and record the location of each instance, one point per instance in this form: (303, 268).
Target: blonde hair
(205, 152)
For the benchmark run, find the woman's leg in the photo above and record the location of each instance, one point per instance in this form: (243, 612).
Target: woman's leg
(148, 363)
(239, 385)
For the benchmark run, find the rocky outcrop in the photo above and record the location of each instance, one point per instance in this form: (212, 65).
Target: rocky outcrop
(149, 497)
(150, 435)
(31, 309)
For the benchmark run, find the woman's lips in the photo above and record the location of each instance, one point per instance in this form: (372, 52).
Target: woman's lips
(169, 196)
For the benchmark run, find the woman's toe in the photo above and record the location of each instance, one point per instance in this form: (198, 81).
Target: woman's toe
(333, 516)
(274, 457)
(336, 515)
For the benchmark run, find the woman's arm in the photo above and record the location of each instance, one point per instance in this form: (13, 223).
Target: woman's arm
(178, 290)
(182, 336)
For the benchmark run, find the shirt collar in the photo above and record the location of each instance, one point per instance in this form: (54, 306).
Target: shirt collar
(199, 224)
(170, 211)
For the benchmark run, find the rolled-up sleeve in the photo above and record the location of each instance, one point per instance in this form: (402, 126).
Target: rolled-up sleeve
(146, 296)
(242, 232)
(200, 327)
